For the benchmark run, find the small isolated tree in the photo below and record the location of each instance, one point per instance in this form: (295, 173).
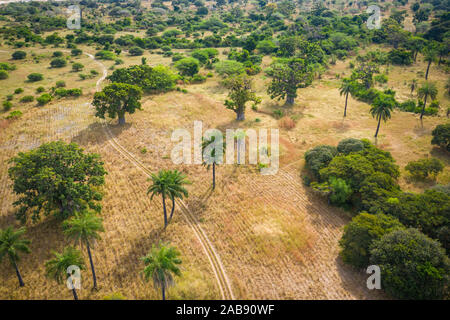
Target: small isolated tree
(160, 265)
(346, 88)
(3, 74)
(412, 265)
(34, 77)
(84, 228)
(209, 155)
(287, 78)
(58, 267)
(430, 55)
(168, 183)
(381, 109)
(240, 93)
(77, 66)
(44, 99)
(11, 244)
(441, 136)
(19, 55)
(56, 178)
(58, 63)
(117, 99)
(136, 51)
(424, 168)
(188, 66)
(428, 89)
(360, 234)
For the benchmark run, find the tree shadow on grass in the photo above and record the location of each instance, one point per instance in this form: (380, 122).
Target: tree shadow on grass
(96, 133)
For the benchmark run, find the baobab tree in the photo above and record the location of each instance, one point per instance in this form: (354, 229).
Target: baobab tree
(84, 228)
(240, 93)
(160, 266)
(11, 244)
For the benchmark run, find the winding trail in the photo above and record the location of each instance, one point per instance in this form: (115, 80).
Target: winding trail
(216, 264)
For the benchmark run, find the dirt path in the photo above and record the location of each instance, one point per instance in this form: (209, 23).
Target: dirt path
(214, 259)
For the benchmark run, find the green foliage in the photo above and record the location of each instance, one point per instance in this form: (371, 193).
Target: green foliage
(14, 115)
(84, 227)
(76, 52)
(19, 55)
(26, 99)
(136, 51)
(56, 268)
(360, 234)
(424, 168)
(441, 136)
(412, 265)
(56, 178)
(227, 68)
(117, 99)
(12, 243)
(340, 191)
(266, 47)
(58, 63)
(62, 92)
(77, 66)
(105, 55)
(350, 145)
(3, 75)
(400, 57)
(33, 77)
(188, 66)
(319, 157)
(240, 93)
(44, 99)
(7, 105)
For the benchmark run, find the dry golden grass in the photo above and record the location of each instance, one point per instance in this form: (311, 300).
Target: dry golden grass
(275, 239)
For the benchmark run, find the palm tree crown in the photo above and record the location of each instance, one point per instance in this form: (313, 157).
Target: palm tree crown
(56, 268)
(428, 89)
(160, 265)
(381, 109)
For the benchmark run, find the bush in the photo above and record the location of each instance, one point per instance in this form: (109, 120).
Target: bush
(381, 78)
(26, 99)
(412, 265)
(18, 91)
(105, 55)
(77, 66)
(58, 63)
(349, 145)
(60, 83)
(400, 57)
(57, 54)
(40, 89)
(3, 75)
(76, 52)
(228, 68)
(19, 55)
(198, 78)
(188, 66)
(360, 234)
(136, 51)
(340, 191)
(44, 99)
(7, 105)
(14, 115)
(319, 157)
(441, 136)
(33, 77)
(424, 168)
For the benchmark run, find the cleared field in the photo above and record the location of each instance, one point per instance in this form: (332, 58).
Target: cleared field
(276, 239)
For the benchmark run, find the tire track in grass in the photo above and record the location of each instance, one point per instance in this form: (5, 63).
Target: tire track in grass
(214, 259)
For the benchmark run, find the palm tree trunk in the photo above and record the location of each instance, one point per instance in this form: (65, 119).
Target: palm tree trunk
(214, 175)
(163, 289)
(345, 109)
(92, 265)
(428, 69)
(74, 292)
(165, 210)
(173, 208)
(18, 274)
(378, 127)
(440, 60)
(423, 108)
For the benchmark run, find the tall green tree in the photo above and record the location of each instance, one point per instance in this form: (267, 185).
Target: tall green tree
(428, 89)
(117, 99)
(161, 264)
(381, 109)
(287, 77)
(58, 267)
(346, 88)
(56, 178)
(430, 55)
(84, 228)
(168, 183)
(11, 244)
(240, 93)
(210, 158)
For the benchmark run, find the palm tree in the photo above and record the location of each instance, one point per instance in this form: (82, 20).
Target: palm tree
(58, 267)
(210, 159)
(381, 109)
(428, 89)
(346, 88)
(413, 85)
(168, 183)
(11, 244)
(160, 265)
(84, 227)
(430, 56)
